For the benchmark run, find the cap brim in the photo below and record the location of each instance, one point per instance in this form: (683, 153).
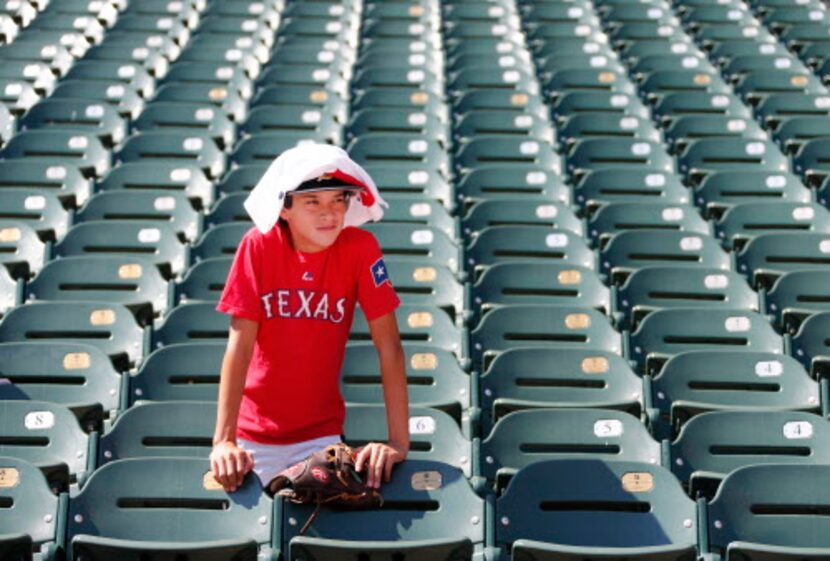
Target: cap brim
(343, 187)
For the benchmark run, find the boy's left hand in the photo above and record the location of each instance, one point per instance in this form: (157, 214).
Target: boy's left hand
(378, 459)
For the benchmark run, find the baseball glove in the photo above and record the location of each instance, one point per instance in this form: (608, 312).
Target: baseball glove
(326, 477)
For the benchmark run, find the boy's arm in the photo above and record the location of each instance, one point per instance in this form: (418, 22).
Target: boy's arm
(381, 458)
(228, 462)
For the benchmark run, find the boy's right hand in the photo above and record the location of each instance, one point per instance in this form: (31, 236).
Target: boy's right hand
(229, 464)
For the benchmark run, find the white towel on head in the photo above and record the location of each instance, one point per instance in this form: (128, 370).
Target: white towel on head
(310, 161)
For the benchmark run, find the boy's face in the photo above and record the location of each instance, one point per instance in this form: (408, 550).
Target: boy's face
(316, 219)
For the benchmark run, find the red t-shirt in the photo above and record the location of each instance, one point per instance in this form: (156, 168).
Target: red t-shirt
(304, 303)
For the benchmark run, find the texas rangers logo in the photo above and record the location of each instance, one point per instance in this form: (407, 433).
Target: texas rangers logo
(379, 273)
(319, 474)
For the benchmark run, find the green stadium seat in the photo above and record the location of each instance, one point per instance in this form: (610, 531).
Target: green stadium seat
(152, 23)
(219, 241)
(262, 13)
(506, 152)
(109, 326)
(663, 82)
(659, 62)
(123, 96)
(761, 63)
(178, 372)
(162, 429)
(809, 345)
(810, 161)
(229, 208)
(592, 125)
(499, 100)
(527, 211)
(402, 151)
(264, 147)
(154, 241)
(552, 32)
(709, 155)
(579, 79)
(550, 508)
(424, 324)
(768, 256)
(135, 283)
(714, 444)
(418, 244)
(619, 104)
(741, 223)
(397, 121)
(130, 73)
(38, 74)
(240, 179)
(153, 175)
(99, 119)
(420, 182)
(308, 75)
(631, 250)
(524, 437)
(619, 185)
(633, 51)
(483, 76)
(679, 104)
(614, 218)
(712, 33)
(76, 375)
(218, 73)
(208, 49)
(420, 210)
(655, 288)
(326, 101)
(638, 31)
(204, 281)
(617, 153)
(551, 65)
(227, 98)
(793, 132)
(770, 512)
(380, 78)
(758, 87)
(191, 322)
(683, 130)
(775, 108)
(556, 327)
(475, 124)
(152, 45)
(519, 379)
(60, 148)
(430, 513)
(48, 436)
(179, 117)
(432, 284)
(499, 182)
(31, 528)
(409, 98)
(293, 119)
(151, 60)
(66, 182)
(724, 189)
(34, 49)
(153, 506)
(38, 208)
(526, 244)
(796, 295)
(23, 254)
(188, 147)
(631, 13)
(434, 375)
(668, 332)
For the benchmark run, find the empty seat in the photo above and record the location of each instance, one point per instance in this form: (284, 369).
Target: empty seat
(419, 210)
(410, 153)
(23, 254)
(203, 281)
(76, 375)
(519, 212)
(769, 256)
(712, 445)
(614, 218)
(143, 506)
(425, 245)
(523, 437)
(631, 250)
(743, 222)
(589, 125)
(189, 147)
(418, 182)
(422, 324)
(711, 380)
(65, 181)
(668, 332)
(226, 97)
(191, 117)
(655, 288)
(506, 152)
(154, 242)
(30, 525)
(618, 153)
(524, 325)
(109, 326)
(430, 284)
(135, 283)
(709, 155)
(60, 147)
(179, 372)
(771, 511)
(179, 177)
(99, 119)
(122, 96)
(306, 120)
(38, 208)
(683, 130)
(796, 295)
(721, 190)
(550, 506)
(497, 182)
(191, 322)
(167, 429)
(48, 436)
(617, 184)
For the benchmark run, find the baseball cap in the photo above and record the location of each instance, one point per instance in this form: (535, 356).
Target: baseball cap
(326, 183)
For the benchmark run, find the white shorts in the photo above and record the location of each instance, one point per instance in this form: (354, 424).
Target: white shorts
(270, 459)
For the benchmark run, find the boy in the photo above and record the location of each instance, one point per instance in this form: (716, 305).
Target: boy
(292, 291)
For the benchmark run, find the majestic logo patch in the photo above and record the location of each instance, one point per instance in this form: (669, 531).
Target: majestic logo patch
(308, 276)
(379, 273)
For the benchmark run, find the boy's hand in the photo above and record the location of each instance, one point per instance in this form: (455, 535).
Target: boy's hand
(229, 464)
(378, 459)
